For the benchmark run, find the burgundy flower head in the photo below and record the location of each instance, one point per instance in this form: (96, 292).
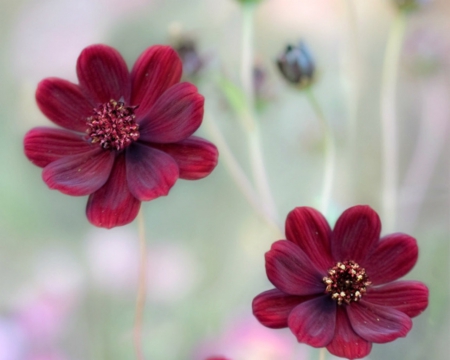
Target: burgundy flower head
(335, 288)
(127, 136)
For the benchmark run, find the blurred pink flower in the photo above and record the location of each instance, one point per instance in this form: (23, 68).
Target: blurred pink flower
(113, 257)
(246, 339)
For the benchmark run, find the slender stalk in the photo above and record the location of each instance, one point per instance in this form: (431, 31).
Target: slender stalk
(249, 115)
(322, 354)
(142, 289)
(236, 172)
(330, 153)
(389, 121)
(351, 76)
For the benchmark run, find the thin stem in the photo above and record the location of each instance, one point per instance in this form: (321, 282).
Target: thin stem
(249, 115)
(236, 172)
(142, 289)
(389, 121)
(330, 153)
(351, 76)
(322, 354)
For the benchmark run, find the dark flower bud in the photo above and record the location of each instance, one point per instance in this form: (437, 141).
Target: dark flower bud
(409, 5)
(192, 61)
(297, 65)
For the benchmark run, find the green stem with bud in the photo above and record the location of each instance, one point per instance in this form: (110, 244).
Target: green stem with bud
(330, 153)
(249, 115)
(389, 121)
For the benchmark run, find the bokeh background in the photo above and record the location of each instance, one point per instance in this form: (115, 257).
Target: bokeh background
(67, 290)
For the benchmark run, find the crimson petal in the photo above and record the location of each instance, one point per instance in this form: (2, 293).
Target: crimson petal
(409, 297)
(103, 74)
(291, 271)
(45, 145)
(313, 321)
(394, 256)
(378, 324)
(113, 204)
(307, 228)
(355, 234)
(150, 172)
(64, 103)
(175, 115)
(79, 174)
(346, 343)
(272, 307)
(156, 70)
(196, 157)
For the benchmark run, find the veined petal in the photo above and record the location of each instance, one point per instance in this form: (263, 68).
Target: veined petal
(150, 172)
(355, 234)
(290, 270)
(313, 321)
(45, 145)
(307, 228)
(156, 70)
(378, 324)
(394, 256)
(409, 297)
(103, 74)
(113, 204)
(64, 103)
(195, 157)
(174, 116)
(346, 343)
(272, 307)
(79, 174)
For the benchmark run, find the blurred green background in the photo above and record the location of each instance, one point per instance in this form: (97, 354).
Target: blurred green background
(67, 291)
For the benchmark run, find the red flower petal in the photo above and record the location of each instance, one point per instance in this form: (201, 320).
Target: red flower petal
(394, 256)
(409, 297)
(307, 228)
(378, 324)
(113, 204)
(150, 172)
(45, 145)
(355, 234)
(346, 343)
(156, 70)
(103, 74)
(272, 307)
(291, 270)
(196, 157)
(64, 103)
(313, 321)
(80, 174)
(174, 117)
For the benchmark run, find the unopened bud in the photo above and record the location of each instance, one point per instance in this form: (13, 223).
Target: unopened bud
(409, 5)
(297, 65)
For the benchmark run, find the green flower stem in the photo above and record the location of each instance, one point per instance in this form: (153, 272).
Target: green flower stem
(235, 170)
(248, 115)
(389, 121)
(330, 153)
(322, 354)
(142, 290)
(351, 79)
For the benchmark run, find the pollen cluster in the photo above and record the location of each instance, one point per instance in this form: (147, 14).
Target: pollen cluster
(113, 125)
(347, 282)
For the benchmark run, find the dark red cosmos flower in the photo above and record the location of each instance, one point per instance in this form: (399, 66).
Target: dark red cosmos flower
(335, 289)
(127, 136)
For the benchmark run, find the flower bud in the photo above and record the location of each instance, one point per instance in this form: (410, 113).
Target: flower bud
(409, 5)
(192, 61)
(297, 65)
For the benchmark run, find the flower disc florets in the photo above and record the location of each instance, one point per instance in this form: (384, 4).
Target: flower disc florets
(113, 125)
(347, 282)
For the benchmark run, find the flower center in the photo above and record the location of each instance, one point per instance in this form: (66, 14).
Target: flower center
(112, 126)
(347, 282)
